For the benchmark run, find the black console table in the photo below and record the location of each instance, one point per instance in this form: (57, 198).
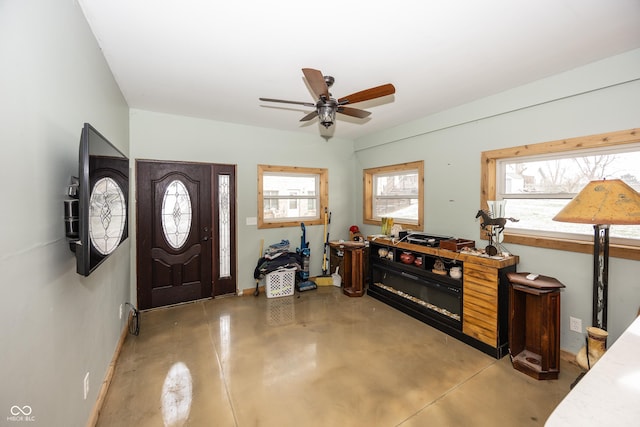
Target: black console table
(417, 280)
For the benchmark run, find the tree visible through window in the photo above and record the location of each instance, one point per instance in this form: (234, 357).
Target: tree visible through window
(538, 180)
(536, 188)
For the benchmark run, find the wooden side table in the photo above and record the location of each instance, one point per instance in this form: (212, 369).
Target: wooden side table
(352, 266)
(534, 325)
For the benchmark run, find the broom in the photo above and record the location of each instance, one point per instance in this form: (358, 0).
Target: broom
(257, 291)
(325, 279)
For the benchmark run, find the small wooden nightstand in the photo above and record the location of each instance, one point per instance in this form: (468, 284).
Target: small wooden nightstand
(534, 325)
(352, 266)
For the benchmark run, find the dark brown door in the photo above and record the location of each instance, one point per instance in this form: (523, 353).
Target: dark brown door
(173, 233)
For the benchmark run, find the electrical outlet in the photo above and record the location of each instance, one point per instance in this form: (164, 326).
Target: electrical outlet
(120, 311)
(86, 385)
(575, 324)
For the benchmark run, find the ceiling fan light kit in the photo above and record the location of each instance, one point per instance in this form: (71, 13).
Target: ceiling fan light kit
(326, 106)
(327, 112)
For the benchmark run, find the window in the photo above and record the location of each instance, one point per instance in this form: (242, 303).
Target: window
(288, 196)
(538, 180)
(396, 192)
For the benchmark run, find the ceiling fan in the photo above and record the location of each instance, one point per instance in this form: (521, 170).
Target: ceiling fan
(326, 106)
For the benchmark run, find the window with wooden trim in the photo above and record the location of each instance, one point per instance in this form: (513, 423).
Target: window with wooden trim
(538, 180)
(289, 195)
(395, 191)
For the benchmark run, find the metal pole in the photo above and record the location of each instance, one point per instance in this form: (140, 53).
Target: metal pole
(600, 275)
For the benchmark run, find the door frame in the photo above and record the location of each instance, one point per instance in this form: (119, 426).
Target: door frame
(228, 284)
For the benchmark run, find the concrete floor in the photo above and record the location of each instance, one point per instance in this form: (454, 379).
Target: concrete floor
(320, 359)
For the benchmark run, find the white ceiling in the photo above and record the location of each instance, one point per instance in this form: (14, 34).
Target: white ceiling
(214, 59)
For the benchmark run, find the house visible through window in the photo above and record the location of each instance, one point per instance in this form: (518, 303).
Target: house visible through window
(396, 192)
(537, 188)
(538, 180)
(288, 196)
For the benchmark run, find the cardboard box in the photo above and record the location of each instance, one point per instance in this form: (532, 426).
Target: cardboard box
(457, 244)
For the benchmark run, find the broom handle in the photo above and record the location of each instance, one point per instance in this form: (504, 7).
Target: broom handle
(325, 260)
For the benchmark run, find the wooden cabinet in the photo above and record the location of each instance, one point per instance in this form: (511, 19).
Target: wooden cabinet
(350, 258)
(534, 325)
(480, 318)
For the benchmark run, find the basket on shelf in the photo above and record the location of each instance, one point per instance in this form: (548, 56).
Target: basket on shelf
(280, 283)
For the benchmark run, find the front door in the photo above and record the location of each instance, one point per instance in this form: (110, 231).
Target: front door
(178, 216)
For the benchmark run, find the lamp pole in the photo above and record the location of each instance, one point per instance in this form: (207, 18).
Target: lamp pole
(600, 275)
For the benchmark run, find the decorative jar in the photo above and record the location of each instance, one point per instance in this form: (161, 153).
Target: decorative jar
(407, 257)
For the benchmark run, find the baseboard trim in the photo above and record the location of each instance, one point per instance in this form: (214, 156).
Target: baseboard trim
(97, 407)
(568, 357)
(251, 291)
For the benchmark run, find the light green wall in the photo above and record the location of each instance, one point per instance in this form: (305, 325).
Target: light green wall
(55, 325)
(598, 98)
(169, 137)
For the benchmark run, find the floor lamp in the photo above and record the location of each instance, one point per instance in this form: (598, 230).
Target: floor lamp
(602, 203)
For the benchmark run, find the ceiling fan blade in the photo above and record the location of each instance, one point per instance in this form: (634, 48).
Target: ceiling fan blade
(354, 112)
(309, 116)
(307, 104)
(317, 83)
(367, 94)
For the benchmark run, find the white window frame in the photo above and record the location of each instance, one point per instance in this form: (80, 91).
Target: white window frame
(320, 198)
(490, 189)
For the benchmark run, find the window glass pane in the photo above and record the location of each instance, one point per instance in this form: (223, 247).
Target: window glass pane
(176, 214)
(568, 175)
(402, 184)
(396, 195)
(224, 229)
(537, 188)
(288, 196)
(537, 214)
(396, 208)
(290, 184)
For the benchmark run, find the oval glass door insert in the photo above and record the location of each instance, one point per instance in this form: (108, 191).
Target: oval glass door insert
(176, 214)
(107, 215)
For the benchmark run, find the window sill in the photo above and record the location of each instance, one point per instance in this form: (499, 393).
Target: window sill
(616, 251)
(404, 225)
(284, 224)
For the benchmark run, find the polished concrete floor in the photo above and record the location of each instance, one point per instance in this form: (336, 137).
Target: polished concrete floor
(314, 359)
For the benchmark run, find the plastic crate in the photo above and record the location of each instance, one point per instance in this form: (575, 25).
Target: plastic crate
(280, 283)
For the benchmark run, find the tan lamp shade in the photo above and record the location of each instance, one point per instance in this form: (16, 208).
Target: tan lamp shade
(609, 201)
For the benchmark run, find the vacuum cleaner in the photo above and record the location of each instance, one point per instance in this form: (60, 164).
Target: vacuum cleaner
(304, 284)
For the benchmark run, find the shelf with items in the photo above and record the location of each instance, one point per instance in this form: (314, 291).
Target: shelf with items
(471, 306)
(433, 265)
